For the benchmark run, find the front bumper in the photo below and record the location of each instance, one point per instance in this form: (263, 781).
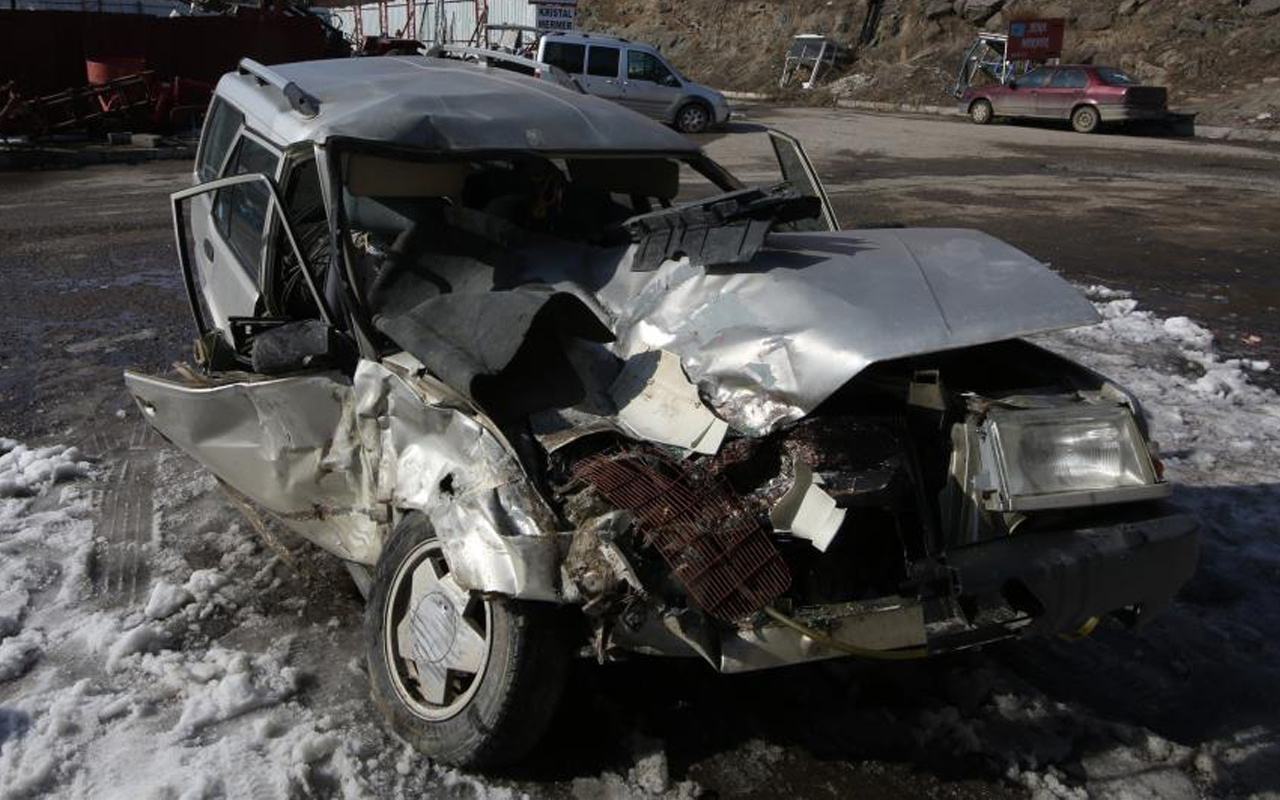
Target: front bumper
(1131, 113)
(1032, 584)
(1064, 578)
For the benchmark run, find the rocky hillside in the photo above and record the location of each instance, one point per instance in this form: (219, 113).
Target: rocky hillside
(1220, 58)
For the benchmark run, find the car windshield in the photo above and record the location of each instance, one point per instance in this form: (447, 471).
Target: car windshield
(1116, 77)
(574, 197)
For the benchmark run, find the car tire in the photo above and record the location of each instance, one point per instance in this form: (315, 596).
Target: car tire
(981, 112)
(483, 718)
(1085, 119)
(693, 118)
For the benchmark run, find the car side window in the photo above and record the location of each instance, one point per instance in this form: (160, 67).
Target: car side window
(566, 56)
(1034, 79)
(304, 207)
(240, 212)
(642, 66)
(219, 130)
(1068, 79)
(602, 61)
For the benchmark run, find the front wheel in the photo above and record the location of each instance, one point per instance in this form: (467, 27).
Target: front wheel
(981, 112)
(468, 680)
(693, 118)
(1085, 119)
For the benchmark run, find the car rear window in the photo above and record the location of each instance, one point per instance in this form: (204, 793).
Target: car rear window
(566, 56)
(219, 130)
(1068, 79)
(602, 61)
(1116, 77)
(240, 212)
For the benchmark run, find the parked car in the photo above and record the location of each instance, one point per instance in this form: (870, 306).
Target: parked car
(500, 59)
(1088, 96)
(467, 331)
(637, 76)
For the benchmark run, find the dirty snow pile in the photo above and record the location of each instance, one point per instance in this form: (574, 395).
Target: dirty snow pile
(102, 699)
(181, 662)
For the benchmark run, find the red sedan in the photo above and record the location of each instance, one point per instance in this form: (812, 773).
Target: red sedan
(1086, 95)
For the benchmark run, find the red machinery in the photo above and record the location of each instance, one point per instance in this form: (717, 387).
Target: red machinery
(70, 70)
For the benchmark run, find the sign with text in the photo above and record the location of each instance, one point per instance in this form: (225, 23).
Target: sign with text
(556, 16)
(1035, 39)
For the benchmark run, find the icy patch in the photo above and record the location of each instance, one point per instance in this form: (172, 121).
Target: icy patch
(25, 472)
(234, 684)
(166, 599)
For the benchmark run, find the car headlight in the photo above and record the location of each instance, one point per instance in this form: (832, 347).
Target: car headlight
(1057, 457)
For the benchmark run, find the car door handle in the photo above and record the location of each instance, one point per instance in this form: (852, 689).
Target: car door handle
(208, 249)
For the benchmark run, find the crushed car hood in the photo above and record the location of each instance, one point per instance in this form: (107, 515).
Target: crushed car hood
(767, 342)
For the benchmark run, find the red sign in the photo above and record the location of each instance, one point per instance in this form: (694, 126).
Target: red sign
(1035, 39)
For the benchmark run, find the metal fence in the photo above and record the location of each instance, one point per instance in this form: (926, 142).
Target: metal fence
(438, 21)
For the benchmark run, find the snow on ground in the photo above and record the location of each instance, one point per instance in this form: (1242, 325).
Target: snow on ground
(213, 678)
(194, 686)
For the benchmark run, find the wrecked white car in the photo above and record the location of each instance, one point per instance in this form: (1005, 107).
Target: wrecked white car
(553, 383)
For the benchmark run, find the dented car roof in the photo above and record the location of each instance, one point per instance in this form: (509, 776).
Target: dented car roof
(442, 104)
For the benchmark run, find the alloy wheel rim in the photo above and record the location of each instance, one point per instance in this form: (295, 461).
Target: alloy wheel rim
(692, 119)
(436, 636)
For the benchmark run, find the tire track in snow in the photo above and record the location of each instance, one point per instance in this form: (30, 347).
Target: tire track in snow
(127, 512)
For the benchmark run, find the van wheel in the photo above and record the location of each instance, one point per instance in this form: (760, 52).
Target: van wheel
(693, 118)
(1085, 119)
(981, 112)
(468, 680)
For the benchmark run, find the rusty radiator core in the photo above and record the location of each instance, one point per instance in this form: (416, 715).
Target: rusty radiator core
(714, 545)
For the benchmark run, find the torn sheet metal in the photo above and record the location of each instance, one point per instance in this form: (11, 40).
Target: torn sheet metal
(330, 458)
(768, 342)
(287, 443)
(806, 511)
(657, 403)
(765, 342)
(449, 464)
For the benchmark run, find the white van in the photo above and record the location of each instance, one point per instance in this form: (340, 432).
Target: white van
(635, 75)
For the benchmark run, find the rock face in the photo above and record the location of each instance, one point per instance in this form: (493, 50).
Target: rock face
(978, 11)
(912, 49)
(1095, 21)
(939, 8)
(1263, 8)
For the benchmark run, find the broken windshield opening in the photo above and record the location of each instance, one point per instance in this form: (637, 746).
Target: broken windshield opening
(486, 267)
(455, 258)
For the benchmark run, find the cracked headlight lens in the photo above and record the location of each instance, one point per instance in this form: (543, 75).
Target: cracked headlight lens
(1048, 451)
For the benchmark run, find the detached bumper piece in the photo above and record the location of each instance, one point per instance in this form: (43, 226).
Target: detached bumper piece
(1061, 579)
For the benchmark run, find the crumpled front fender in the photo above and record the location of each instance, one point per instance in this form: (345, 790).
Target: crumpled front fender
(436, 455)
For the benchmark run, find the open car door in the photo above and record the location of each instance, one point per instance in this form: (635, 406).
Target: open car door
(286, 440)
(799, 172)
